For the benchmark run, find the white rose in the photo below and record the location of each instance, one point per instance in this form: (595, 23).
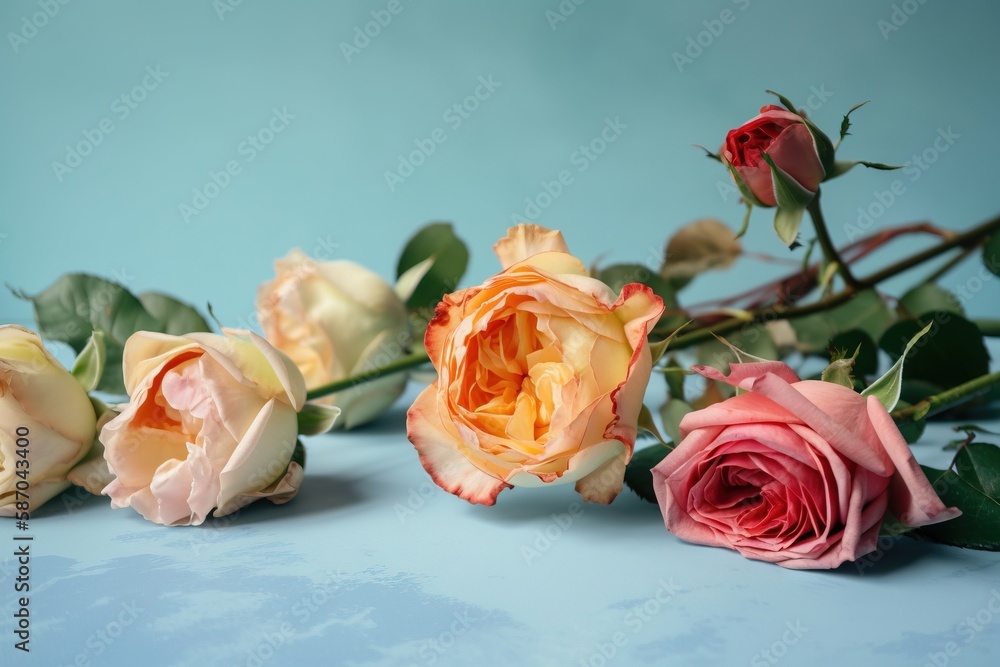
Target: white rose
(335, 320)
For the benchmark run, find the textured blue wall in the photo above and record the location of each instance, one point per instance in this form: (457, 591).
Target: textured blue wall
(200, 78)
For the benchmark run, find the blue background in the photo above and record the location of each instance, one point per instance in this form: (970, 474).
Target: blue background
(320, 185)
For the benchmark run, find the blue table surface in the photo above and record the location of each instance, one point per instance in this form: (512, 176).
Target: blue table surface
(371, 565)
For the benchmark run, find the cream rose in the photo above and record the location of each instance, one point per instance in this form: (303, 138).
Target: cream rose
(211, 423)
(541, 375)
(335, 320)
(45, 415)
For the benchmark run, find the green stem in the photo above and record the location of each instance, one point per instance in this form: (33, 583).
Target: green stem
(947, 399)
(826, 243)
(971, 237)
(412, 360)
(990, 328)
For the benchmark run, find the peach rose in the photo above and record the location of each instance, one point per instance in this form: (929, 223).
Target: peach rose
(795, 472)
(541, 375)
(211, 424)
(335, 320)
(46, 414)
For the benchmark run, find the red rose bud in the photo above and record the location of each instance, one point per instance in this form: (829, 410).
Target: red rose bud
(789, 142)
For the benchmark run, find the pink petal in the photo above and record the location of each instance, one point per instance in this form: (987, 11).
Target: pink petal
(841, 435)
(912, 499)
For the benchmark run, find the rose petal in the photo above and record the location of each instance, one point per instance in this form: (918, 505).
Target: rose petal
(912, 499)
(526, 240)
(440, 454)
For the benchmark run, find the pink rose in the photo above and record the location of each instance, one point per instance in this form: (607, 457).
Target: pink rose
(785, 138)
(541, 374)
(795, 472)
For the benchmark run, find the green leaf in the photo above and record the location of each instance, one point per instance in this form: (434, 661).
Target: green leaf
(841, 167)
(750, 343)
(911, 428)
(887, 388)
(647, 424)
(926, 298)
(637, 473)
(78, 304)
(865, 311)
(619, 275)
(672, 413)
(973, 487)
(952, 353)
(991, 254)
(316, 418)
(89, 365)
(176, 318)
(451, 257)
(703, 245)
(674, 374)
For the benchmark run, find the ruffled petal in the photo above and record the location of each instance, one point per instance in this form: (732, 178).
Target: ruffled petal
(441, 455)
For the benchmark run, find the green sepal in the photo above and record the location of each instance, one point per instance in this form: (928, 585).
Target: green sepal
(315, 418)
(888, 387)
(792, 200)
(824, 147)
(744, 189)
(89, 365)
(845, 124)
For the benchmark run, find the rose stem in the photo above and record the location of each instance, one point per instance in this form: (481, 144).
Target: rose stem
(829, 250)
(946, 399)
(972, 236)
(412, 360)
(952, 263)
